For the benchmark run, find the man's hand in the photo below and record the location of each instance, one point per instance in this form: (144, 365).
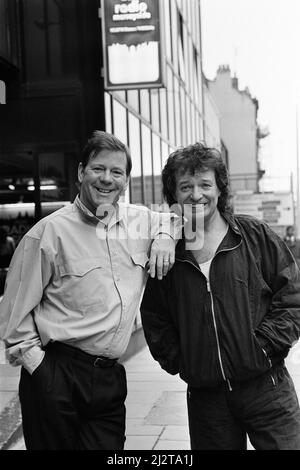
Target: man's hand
(162, 256)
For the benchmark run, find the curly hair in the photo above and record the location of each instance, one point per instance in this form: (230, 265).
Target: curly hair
(193, 158)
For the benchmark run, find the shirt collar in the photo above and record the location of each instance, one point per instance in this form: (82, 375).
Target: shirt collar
(117, 217)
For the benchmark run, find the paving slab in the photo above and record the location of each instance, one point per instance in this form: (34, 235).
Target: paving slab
(137, 410)
(175, 433)
(140, 442)
(139, 396)
(169, 409)
(143, 430)
(172, 445)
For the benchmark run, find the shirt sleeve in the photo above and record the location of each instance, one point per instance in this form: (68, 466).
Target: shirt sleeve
(29, 273)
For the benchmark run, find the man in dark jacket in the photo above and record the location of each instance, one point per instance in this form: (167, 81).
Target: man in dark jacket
(226, 315)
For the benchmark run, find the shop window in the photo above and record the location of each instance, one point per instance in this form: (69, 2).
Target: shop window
(21, 202)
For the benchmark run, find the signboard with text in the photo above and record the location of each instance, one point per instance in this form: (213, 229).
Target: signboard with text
(132, 44)
(276, 208)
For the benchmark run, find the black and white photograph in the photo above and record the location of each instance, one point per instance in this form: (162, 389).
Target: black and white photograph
(149, 228)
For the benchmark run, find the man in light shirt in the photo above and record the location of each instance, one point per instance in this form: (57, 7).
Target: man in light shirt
(72, 293)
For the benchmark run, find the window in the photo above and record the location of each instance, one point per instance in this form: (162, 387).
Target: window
(181, 48)
(50, 38)
(170, 94)
(157, 168)
(9, 30)
(108, 116)
(163, 113)
(155, 118)
(119, 124)
(145, 105)
(178, 115)
(136, 182)
(147, 164)
(2, 92)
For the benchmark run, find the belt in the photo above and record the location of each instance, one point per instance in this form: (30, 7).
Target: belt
(66, 349)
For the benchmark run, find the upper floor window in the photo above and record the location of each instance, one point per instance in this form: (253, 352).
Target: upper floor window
(50, 38)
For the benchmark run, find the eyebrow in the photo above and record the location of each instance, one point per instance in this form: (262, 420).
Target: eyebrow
(103, 166)
(203, 180)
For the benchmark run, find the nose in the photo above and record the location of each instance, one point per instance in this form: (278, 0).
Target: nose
(106, 176)
(196, 194)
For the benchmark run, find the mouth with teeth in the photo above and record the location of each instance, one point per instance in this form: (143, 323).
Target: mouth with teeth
(104, 191)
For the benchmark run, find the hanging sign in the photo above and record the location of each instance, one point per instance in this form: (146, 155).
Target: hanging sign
(132, 44)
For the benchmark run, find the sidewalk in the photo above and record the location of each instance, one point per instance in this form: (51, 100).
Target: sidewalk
(156, 403)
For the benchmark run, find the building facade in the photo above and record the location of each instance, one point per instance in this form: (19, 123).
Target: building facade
(51, 76)
(238, 128)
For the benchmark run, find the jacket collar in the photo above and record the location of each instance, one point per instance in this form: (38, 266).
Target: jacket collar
(231, 240)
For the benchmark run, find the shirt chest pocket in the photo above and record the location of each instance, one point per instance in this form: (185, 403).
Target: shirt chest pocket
(81, 283)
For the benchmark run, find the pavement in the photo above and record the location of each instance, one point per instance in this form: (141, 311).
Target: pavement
(156, 404)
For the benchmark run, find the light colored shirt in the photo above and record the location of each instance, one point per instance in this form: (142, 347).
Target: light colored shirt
(76, 280)
(205, 268)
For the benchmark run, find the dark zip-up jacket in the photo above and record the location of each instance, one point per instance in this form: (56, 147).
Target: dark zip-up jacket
(237, 325)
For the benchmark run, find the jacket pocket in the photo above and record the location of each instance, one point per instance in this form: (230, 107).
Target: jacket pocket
(261, 351)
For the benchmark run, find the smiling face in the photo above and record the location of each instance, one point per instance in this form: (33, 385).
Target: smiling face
(200, 188)
(103, 180)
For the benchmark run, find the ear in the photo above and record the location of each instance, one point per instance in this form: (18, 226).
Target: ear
(80, 172)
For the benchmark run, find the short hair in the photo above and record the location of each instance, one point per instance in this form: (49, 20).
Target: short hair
(101, 140)
(193, 158)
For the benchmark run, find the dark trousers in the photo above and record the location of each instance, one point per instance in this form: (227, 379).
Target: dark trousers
(72, 403)
(266, 408)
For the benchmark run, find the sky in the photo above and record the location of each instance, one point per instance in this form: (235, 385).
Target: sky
(260, 41)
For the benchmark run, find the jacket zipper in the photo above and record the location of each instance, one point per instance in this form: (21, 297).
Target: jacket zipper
(214, 317)
(217, 336)
(215, 328)
(215, 323)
